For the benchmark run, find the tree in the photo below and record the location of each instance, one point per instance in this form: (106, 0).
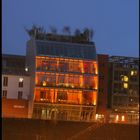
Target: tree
(88, 33)
(77, 32)
(91, 34)
(66, 30)
(36, 32)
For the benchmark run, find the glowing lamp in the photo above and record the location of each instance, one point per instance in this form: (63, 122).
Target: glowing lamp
(20, 79)
(44, 83)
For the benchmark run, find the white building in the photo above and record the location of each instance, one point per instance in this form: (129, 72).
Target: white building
(15, 86)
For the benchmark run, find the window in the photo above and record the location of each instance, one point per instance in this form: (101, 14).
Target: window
(125, 78)
(101, 90)
(101, 77)
(61, 96)
(20, 93)
(5, 81)
(43, 95)
(125, 85)
(4, 94)
(20, 84)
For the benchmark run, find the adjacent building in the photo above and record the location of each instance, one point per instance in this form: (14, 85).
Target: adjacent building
(15, 86)
(123, 89)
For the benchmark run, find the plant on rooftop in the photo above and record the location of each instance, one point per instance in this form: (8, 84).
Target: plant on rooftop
(84, 36)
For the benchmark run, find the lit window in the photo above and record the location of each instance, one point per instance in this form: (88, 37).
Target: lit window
(94, 103)
(125, 85)
(125, 78)
(117, 117)
(72, 86)
(123, 119)
(132, 73)
(96, 117)
(44, 83)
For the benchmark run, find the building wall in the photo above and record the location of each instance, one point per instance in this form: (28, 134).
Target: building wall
(14, 108)
(124, 89)
(13, 86)
(30, 63)
(103, 83)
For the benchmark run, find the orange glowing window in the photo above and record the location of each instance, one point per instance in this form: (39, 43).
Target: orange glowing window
(123, 119)
(117, 117)
(44, 83)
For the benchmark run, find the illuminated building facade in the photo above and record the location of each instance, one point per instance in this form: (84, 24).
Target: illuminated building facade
(124, 89)
(64, 78)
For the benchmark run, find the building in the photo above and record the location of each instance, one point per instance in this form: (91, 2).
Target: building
(64, 77)
(103, 65)
(15, 86)
(124, 89)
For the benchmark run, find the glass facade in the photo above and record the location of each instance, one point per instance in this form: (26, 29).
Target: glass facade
(66, 65)
(71, 50)
(66, 81)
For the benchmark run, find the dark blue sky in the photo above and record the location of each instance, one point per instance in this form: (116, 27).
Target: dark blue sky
(115, 22)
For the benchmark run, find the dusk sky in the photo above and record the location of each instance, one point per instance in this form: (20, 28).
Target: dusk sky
(115, 22)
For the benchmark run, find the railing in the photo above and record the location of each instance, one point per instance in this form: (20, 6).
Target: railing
(64, 112)
(79, 72)
(66, 87)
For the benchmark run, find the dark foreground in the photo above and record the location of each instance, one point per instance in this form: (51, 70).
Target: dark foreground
(27, 129)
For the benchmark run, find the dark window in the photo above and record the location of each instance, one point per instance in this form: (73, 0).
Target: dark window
(66, 51)
(101, 90)
(4, 93)
(5, 81)
(20, 93)
(101, 77)
(20, 84)
(61, 96)
(102, 65)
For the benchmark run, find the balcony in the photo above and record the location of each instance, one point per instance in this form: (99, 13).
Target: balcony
(66, 86)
